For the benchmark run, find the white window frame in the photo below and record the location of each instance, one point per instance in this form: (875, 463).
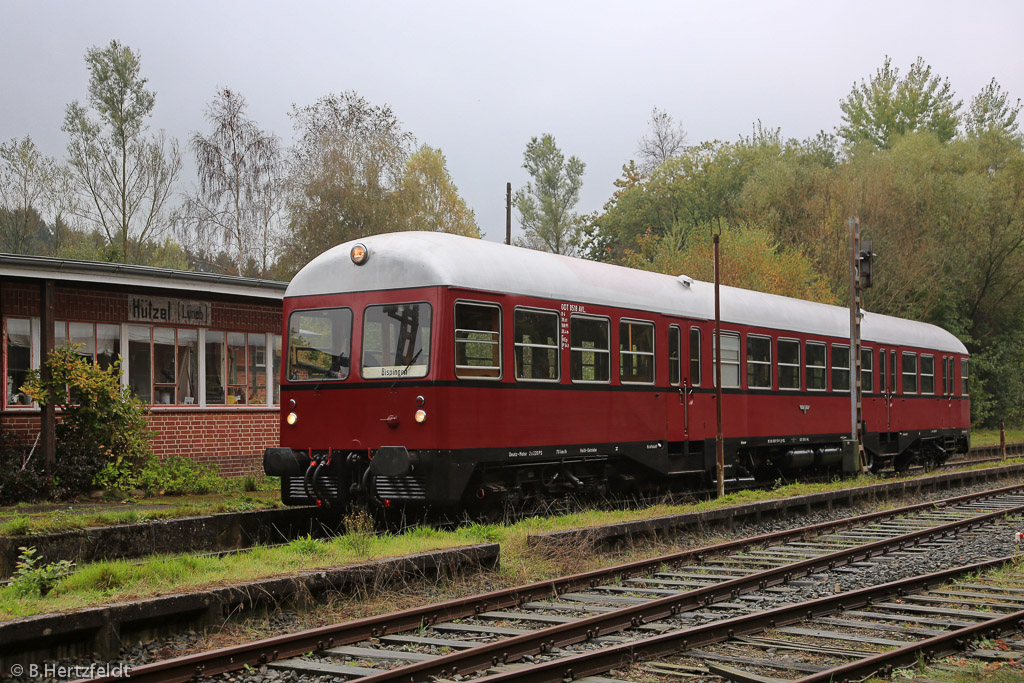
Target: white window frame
(797, 365)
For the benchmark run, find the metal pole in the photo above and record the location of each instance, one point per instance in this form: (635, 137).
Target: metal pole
(855, 364)
(508, 213)
(48, 412)
(719, 440)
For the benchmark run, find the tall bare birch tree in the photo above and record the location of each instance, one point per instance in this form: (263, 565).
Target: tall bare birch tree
(239, 196)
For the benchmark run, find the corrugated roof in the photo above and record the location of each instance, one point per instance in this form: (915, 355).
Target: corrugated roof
(128, 275)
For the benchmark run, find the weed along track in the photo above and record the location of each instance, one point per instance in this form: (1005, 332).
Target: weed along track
(619, 609)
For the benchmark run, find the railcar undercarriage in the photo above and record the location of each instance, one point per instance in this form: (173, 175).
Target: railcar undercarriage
(395, 477)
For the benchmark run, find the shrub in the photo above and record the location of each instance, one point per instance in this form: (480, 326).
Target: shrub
(102, 433)
(34, 579)
(177, 475)
(22, 476)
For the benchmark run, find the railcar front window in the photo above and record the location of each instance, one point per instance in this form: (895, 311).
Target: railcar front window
(840, 368)
(789, 364)
(536, 345)
(815, 366)
(477, 341)
(319, 344)
(927, 374)
(909, 373)
(759, 362)
(636, 352)
(396, 341)
(730, 360)
(589, 349)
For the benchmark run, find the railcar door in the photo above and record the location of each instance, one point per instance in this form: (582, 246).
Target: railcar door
(682, 419)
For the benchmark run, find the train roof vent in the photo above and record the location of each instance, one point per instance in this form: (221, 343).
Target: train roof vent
(685, 280)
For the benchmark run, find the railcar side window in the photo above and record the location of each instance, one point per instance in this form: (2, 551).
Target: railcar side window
(947, 376)
(636, 352)
(396, 341)
(695, 356)
(759, 362)
(964, 378)
(881, 370)
(477, 341)
(319, 344)
(789, 364)
(840, 367)
(927, 374)
(589, 349)
(892, 372)
(730, 360)
(536, 345)
(674, 354)
(866, 375)
(816, 380)
(909, 373)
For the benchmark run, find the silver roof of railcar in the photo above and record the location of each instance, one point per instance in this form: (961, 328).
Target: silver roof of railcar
(425, 259)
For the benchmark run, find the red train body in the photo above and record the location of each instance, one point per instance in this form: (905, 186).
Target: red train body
(444, 371)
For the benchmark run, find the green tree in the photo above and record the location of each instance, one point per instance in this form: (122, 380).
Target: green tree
(991, 110)
(432, 199)
(347, 167)
(546, 203)
(750, 258)
(880, 110)
(26, 176)
(238, 165)
(125, 178)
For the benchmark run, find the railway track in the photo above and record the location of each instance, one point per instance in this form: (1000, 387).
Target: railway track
(845, 637)
(602, 610)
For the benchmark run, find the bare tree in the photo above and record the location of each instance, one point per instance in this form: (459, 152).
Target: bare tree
(665, 140)
(238, 197)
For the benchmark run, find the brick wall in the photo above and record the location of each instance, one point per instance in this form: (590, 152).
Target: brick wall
(232, 440)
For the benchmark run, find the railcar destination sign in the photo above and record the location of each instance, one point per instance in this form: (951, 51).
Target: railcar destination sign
(147, 309)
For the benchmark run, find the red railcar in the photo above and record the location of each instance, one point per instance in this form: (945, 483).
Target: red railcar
(432, 369)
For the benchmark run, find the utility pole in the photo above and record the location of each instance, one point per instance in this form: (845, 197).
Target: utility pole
(719, 440)
(508, 213)
(860, 278)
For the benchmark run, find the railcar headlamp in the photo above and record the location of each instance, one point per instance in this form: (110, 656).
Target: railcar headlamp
(359, 254)
(420, 416)
(292, 418)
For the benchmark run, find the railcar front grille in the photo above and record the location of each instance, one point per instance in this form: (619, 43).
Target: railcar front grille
(294, 492)
(401, 488)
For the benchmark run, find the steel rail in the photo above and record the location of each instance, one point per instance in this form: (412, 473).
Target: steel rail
(278, 647)
(625, 654)
(932, 648)
(544, 640)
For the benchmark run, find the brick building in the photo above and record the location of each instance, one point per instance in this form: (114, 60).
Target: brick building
(203, 350)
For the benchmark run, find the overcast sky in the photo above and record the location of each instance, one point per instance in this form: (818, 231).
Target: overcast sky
(478, 79)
